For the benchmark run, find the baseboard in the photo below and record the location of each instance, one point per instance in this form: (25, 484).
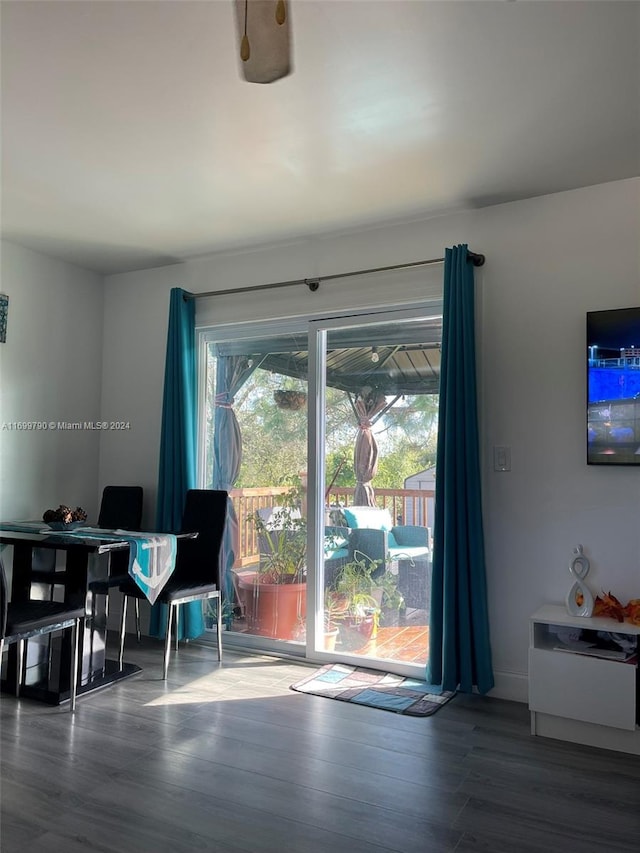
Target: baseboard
(513, 686)
(590, 734)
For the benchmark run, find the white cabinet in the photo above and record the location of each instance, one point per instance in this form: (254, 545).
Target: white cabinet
(577, 697)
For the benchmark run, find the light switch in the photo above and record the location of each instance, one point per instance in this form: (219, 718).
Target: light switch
(501, 458)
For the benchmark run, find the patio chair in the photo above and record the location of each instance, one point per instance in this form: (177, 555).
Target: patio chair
(336, 551)
(336, 538)
(403, 549)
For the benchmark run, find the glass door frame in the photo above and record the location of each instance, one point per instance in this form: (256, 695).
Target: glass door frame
(316, 329)
(242, 332)
(316, 475)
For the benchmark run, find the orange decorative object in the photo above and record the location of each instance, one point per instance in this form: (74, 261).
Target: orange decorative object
(609, 606)
(632, 611)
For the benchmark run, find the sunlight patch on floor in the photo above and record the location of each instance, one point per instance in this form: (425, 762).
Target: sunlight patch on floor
(207, 690)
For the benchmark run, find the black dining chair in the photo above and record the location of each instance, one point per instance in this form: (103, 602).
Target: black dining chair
(120, 509)
(197, 575)
(23, 620)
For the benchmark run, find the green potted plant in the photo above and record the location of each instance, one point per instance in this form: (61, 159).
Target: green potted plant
(392, 603)
(336, 606)
(210, 615)
(275, 595)
(357, 599)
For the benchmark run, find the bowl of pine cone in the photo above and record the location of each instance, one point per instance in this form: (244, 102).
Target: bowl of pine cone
(65, 518)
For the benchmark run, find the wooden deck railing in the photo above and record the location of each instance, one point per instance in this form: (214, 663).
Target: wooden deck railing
(246, 502)
(406, 506)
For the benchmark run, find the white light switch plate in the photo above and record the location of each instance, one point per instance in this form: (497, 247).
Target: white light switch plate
(501, 458)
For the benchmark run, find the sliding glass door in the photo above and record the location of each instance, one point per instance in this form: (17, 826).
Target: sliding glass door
(374, 425)
(325, 435)
(255, 427)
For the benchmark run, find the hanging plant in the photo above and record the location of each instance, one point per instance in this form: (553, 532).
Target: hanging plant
(293, 401)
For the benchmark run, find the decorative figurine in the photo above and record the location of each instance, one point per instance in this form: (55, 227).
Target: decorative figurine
(579, 599)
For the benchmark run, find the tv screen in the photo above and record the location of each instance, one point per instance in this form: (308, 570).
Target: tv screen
(613, 387)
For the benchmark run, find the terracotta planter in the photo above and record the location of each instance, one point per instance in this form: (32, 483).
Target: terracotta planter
(330, 638)
(274, 610)
(355, 632)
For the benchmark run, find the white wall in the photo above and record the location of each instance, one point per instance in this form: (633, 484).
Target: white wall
(549, 260)
(50, 370)
(135, 341)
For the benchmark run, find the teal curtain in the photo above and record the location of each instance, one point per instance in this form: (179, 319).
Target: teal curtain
(177, 473)
(459, 647)
(231, 374)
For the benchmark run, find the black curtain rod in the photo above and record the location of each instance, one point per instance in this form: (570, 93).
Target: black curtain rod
(314, 283)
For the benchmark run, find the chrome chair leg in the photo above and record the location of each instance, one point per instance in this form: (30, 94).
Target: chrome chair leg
(219, 624)
(74, 665)
(123, 627)
(177, 624)
(92, 622)
(19, 666)
(137, 606)
(167, 642)
(106, 628)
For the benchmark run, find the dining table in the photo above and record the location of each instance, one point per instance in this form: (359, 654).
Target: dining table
(83, 555)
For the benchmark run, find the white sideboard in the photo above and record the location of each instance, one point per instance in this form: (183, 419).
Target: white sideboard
(580, 698)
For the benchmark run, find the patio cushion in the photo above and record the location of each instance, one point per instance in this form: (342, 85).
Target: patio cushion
(336, 554)
(335, 542)
(368, 516)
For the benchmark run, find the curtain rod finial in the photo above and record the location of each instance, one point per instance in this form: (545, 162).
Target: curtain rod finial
(476, 259)
(312, 283)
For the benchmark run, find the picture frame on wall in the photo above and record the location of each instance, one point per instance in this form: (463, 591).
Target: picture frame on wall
(4, 311)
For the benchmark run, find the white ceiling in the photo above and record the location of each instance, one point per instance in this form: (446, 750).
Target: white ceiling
(129, 139)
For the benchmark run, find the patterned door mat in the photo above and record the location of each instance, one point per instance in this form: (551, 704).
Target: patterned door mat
(376, 689)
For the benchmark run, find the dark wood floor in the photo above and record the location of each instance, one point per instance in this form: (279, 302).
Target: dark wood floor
(230, 759)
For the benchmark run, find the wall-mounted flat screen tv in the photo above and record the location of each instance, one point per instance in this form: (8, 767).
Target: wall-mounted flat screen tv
(613, 387)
